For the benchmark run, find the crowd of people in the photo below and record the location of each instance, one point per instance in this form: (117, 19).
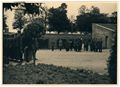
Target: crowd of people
(19, 49)
(79, 45)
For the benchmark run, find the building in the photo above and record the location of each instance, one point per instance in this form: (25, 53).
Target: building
(106, 32)
(47, 39)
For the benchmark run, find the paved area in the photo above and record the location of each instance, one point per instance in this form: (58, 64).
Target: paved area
(94, 61)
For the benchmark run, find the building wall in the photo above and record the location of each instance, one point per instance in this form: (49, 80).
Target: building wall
(99, 32)
(55, 37)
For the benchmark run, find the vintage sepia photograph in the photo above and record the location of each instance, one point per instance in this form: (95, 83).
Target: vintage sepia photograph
(59, 42)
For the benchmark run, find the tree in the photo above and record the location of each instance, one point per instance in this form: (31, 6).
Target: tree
(30, 9)
(94, 10)
(88, 16)
(58, 20)
(33, 29)
(44, 15)
(113, 18)
(19, 20)
(112, 62)
(82, 10)
(31, 32)
(8, 6)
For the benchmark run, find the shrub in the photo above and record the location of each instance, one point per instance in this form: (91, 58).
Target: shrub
(112, 63)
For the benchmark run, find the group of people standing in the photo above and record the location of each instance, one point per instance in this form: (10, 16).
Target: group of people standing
(19, 48)
(79, 44)
(12, 49)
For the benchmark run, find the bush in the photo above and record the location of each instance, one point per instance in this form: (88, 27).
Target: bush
(50, 74)
(112, 63)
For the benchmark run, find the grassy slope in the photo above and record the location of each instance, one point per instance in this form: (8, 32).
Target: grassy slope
(50, 74)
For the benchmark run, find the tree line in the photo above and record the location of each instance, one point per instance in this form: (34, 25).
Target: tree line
(55, 19)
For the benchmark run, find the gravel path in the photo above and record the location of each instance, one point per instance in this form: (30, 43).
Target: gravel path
(94, 61)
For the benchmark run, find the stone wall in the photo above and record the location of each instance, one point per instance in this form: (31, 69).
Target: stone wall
(55, 37)
(106, 35)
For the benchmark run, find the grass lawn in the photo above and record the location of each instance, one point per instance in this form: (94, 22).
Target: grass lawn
(50, 74)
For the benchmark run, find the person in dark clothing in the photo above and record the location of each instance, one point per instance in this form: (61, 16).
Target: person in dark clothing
(26, 54)
(76, 45)
(86, 45)
(53, 44)
(5, 51)
(18, 47)
(67, 45)
(33, 53)
(15, 54)
(60, 44)
(95, 45)
(91, 45)
(100, 45)
(34, 48)
(8, 52)
(71, 44)
(79, 44)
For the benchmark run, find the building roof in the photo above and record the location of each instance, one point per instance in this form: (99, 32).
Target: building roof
(111, 27)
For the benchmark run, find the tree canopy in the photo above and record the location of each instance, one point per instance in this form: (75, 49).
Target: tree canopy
(112, 61)
(33, 9)
(30, 8)
(35, 28)
(19, 21)
(113, 18)
(88, 16)
(8, 6)
(58, 20)
(32, 30)
(57, 17)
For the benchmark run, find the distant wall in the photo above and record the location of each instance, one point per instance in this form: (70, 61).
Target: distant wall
(55, 37)
(106, 35)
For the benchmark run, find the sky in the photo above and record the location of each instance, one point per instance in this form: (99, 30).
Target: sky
(72, 9)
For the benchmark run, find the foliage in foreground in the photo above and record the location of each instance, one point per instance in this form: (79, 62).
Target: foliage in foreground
(49, 74)
(112, 63)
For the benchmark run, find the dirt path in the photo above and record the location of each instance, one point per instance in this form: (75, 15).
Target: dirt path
(94, 61)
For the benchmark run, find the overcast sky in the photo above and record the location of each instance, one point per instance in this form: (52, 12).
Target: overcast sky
(72, 9)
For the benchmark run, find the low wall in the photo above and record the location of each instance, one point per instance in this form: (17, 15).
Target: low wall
(55, 37)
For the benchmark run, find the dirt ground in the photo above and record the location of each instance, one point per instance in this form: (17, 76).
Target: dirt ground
(60, 67)
(94, 61)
